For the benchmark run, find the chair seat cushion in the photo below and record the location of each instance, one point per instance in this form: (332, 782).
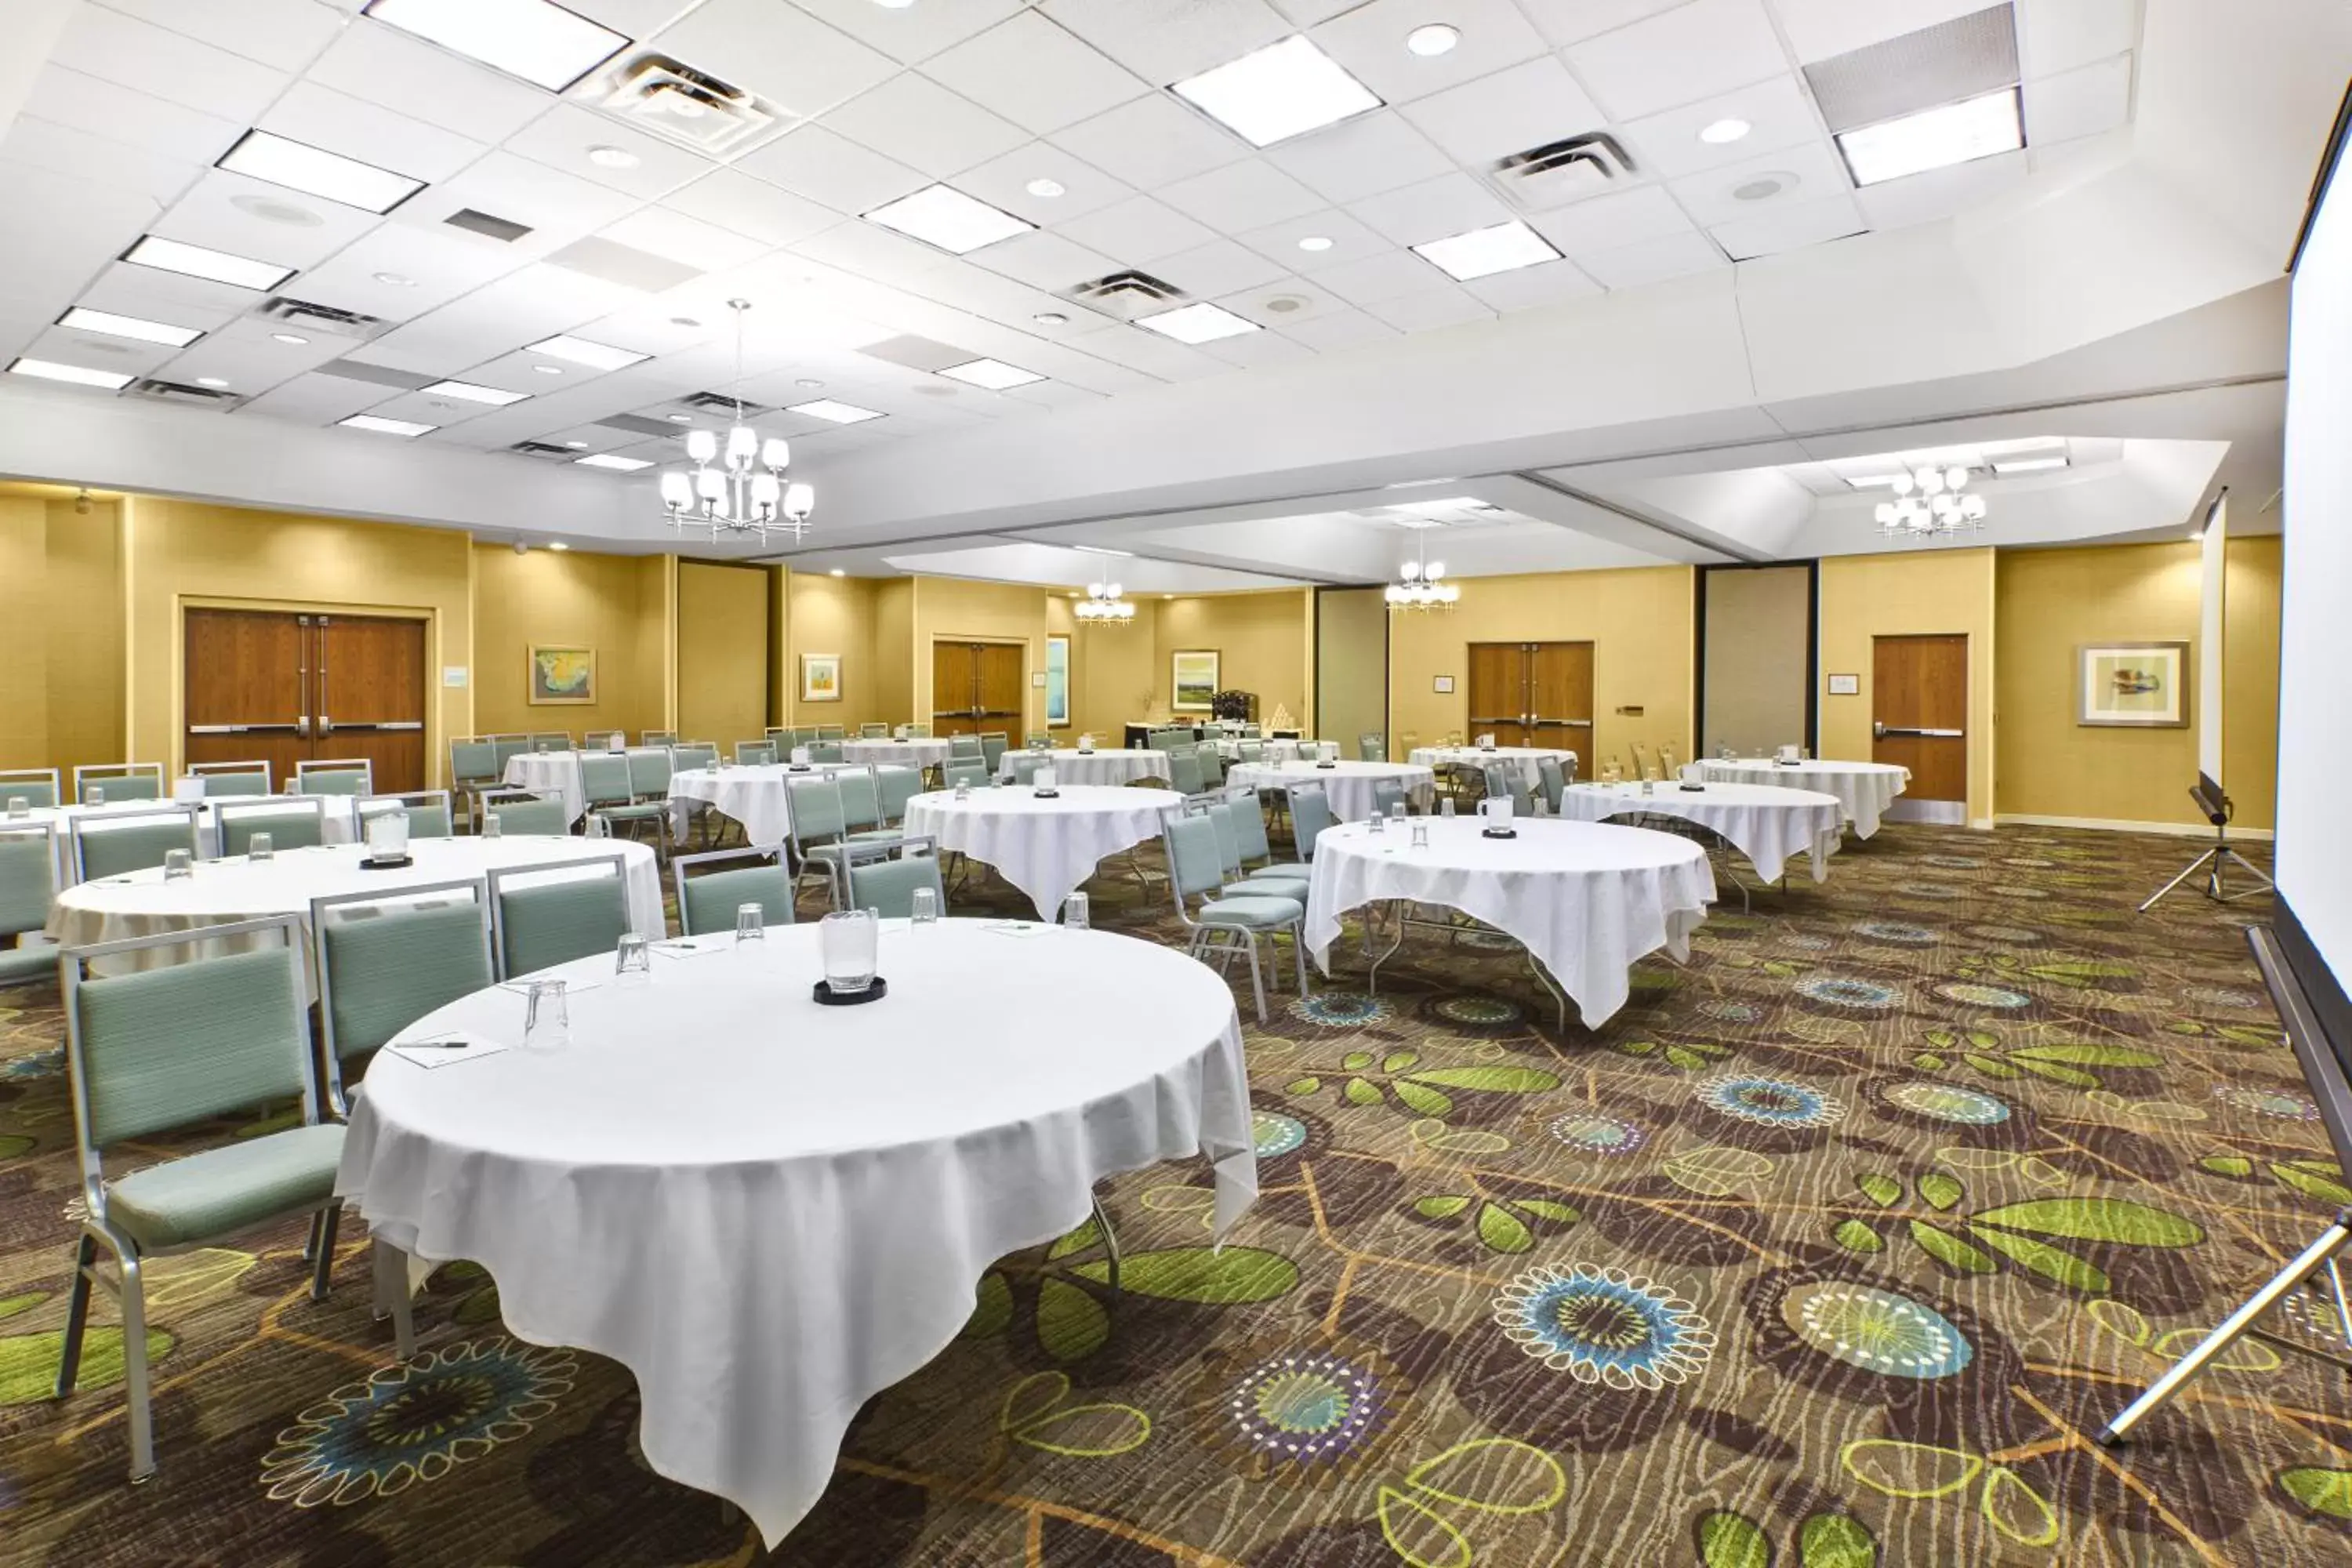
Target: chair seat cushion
(1261, 887)
(870, 835)
(1288, 871)
(1252, 909)
(20, 965)
(644, 811)
(224, 1190)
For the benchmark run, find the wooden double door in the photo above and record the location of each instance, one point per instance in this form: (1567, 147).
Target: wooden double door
(1533, 694)
(1920, 720)
(285, 688)
(978, 686)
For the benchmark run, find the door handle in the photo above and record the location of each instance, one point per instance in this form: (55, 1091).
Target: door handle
(1878, 729)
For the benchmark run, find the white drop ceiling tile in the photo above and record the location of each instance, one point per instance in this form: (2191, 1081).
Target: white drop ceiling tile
(872, 252)
(1789, 177)
(2082, 102)
(1370, 42)
(210, 216)
(1524, 288)
(134, 54)
(353, 128)
(2056, 35)
(439, 270)
(1164, 41)
(1450, 204)
(1110, 380)
(285, 34)
(244, 355)
(1364, 156)
(1818, 30)
(1052, 394)
(1045, 260)
(562, 138)
(1150, 142)
(79, 155)
(632, 18)
(316, 399)
(423, 408)
(1509, 112)
(136, 119)
(1941, 193)
(44, 265)
(787, 56)
(1244, 195)
(95, 351)
(1695, 51)
(1036, 75)
(1571, 21)
(1445, 306)
(386, 65)
(1306, 13)
(1137, 230)
(916, 121)
(1381, 278)
(1154, 355)
(700, 245)
(1791, 228)
(1607, 223)
(127, 290)
(1339, 330)
(1220, 267)
(1349, 241)
(832, 171)
(1255, 350)
(1777, 112)
(1003, 183)
(737, 202)
(556, 206)
(910, 33)
(1284, 302)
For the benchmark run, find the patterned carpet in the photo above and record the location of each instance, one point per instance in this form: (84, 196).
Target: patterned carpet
(1828, 1251)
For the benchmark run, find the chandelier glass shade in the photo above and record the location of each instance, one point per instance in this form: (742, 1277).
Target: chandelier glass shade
(1422, 586)
(738, 488)
(1103, 607)
(1930, 503)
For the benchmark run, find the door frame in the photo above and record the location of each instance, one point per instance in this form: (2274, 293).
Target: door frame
(1812, 645)
(1940, 813)
(931, 658)
(435, 730)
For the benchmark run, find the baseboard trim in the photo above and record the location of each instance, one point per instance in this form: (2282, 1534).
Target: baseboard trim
(2109, 825)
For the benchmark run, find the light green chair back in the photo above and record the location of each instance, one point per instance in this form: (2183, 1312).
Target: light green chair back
(1024, 765)
(540, 926)
(109, 849)
(825, 751)
(220, 784)
(649, 774)
(861, 802)
(28, 874)
(505, 748)
(874, 731)
(334, 780)
(473, 762)
(831, 732)
(289, 827)
(1554, 779)
(815, 806)
(1212, 767)
(36, 787)
(918, 732)
(1184, 773)
(1250, 750)
(659, 738)
(993, 743)
(1038, 741)
(707, 902)
(963, 746)
(898, 785)
(964, 770)
(755, 753)
(887, 885)
(1195, 863)
(692, 756)
(381, 969)
(552, 740)
(1371, 748)
(604, 779)
(164, 1047)
(139, 782)
(1311, 814)
(428, 812)
(531, 817)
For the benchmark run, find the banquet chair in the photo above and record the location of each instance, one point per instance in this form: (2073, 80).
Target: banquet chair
(474, 766)
(1184, 773)
(918, 732)
(561, 915)
(291, 824)
(657, 738)
(826, 752)
(1196, 869)
(994, 745)
(1240, 882)
(831, 732)
(862, 816)
(874, 731)
(429, 816)
(820, 825)
(962, 746)
(1505, 779)
(133, 841)
(28, 876)
(1387, 793)
(506, 748)
(233, 778)
(1038, 741)
(802, 734)
(36, 787)
(350, 775)
(521, 812)
(1212, 767)
(608, 789)
(386, 959)
(897, 783)
(1311, 814)
(878, 881)
(708, 901)
(1023, 766)
(1554, 779)
(1249, 832)
(551, 741)
(1644, 768)
(1249, 750)
(963, 770)
(169, 1047)
(1370, 747)
(688, 756)
(755, 753)
(120, 781)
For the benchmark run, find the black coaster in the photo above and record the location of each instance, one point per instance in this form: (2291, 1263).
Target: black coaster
(401, 864)
(797, 768)
(1693, 789)
(1327, 765)
(1049, 795)
(1498, 833)
(824, 997)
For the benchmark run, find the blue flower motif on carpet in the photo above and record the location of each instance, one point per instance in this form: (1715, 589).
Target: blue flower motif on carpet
(1480, 1012)
(1339, 1009)
(1842, 992)
(1605, 1326)
(2213, 996)
(1307, 1408)
(1972, 996)
(1877, 1331)
(1589, 1132)
(1948, 1102)
(1276, 1134)
(2290, 1105)
(1723, 1010)
(1771, 1102)
(415, 1422)
(1898, 933)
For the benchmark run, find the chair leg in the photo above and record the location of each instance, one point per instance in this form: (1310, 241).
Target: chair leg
(311, 1242)
(1298, 953)
(134, 1371)
(323, 1265)
(1257, 979)
(77, 1314)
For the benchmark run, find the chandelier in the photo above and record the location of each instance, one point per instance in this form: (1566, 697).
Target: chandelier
(1932, 503)
(741, 490)
(1103, 607)
(1422, 586)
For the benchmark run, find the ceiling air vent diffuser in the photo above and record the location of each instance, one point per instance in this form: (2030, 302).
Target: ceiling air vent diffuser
(539, 449)
(722, 403)
(673, 101)
(1125, 295)
(1561, 172)
(173, 392)
(296, 312)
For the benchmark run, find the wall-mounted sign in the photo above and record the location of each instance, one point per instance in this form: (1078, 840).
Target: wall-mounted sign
(1845, 686)
(1444, 683)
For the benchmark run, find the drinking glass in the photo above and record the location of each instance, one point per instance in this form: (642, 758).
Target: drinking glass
(1042, 778)
(750, 923)
(178, 863)
(1421, 830)
(259, 847)
(546, 1016)
(800, 756)
(387, 835)
(633, 961)
(18, 806)
(1445, 807)
(1076, 913)
(1649, 787)
(1376, 822)
(926, 909)
(492, 828)
(846, 939)
(963, 789)
(1396, 808)
(97, 795)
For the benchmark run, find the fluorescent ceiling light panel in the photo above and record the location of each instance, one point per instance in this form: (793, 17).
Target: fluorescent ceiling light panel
(835, 413)
(2029, 465)
(607, 460)
(991, 373)
(1874, 481)
(1485, 251)
(115, 326)
(195, 261)
(316, 173)
(1280, 91)
(1104, 550)
(1934, 139)
(50, 370)
(1201, 323)
(468, 392)
(540, 42)
(386, 426)
(945, 217)
(580, 350)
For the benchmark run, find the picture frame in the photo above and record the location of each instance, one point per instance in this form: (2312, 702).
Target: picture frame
(1442, 685)
(562, 675)
(1846, 685)
(1192, 680)
(820, 677)
(2132, 685)
(1055, 680)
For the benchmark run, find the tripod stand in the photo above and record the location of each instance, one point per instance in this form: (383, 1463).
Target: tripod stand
(2216, 859)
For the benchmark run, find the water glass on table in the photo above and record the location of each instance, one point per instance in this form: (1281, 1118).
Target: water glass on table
(19, 806)
(750, 923)
(96, 796)
(492, 826)
(632, 962)
(1445, 807)
(846, 939)
(1077, 912)
(546, 1016)
(260, 847)
(178, 863)
(924, 908)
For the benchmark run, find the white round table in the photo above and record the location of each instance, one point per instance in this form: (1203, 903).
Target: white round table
(335, 824)
(1584, 898)
(756, 796)
(555, 775)
(769, 1211)
(1766, 823)
(918, 752)
(1099, 766)
(1522, 758)
(1864, 789)
(1268, 751)
(143, 903)
(1347, 785)
(1046, 847)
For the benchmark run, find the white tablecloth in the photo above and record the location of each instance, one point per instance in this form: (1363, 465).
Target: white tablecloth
(1347, 785)
(336, 826)
(769, 1211)
(922, 754)
(1044, 847)
(754, 796)
(1585, 898)
(1768, 824)
(1523, 758)
(555, 774)
(1100, 767)
(1270, 751)
(1864, 789)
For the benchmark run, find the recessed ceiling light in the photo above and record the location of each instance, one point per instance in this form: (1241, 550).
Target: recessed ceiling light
(470, 393)
(991, 373)
(577, 446)
(1434, 39)
(396, 281)
(1198, 324)
(210, 381)
(1046, 188)
(294, 338)
(115, 326)
(1051, 318)
(681, 418)
(1483, 251)
(1104, 550)
(318, 173)
(386, 426)
(945, 217)
(580, 350)
(833, 412)
(542, 43)
(1724, 132)
(1282, 90)
(50, 370)
(890, 6)
(810, 382)
(195, 261)
(1315, 242)
(1874, 481)
(608, 461)
(684, 322)
(2029, 465)
(549, 369)
(269, 209)
(613, 158)
(1956, 133)
(1762, 188)
(837, 572)
(558, 545)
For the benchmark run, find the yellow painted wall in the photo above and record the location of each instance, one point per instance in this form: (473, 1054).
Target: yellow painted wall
(951, 608)
(1116, 672)
(24, 601)
(836, 615)
(722, 651)
(1262, 641)
(1896, 593)
(61, 598)
(894, 650)
(1638, 619)
(2050, 601)
(573, 597)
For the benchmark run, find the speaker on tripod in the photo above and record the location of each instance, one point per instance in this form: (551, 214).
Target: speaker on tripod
(2218, 809)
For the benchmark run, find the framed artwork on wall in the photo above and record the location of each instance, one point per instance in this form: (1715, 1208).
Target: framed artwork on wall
(1192, 680)
(2133, 685)
(820, 677)
(1441, 684)
(562, 675)
(1057, 682)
